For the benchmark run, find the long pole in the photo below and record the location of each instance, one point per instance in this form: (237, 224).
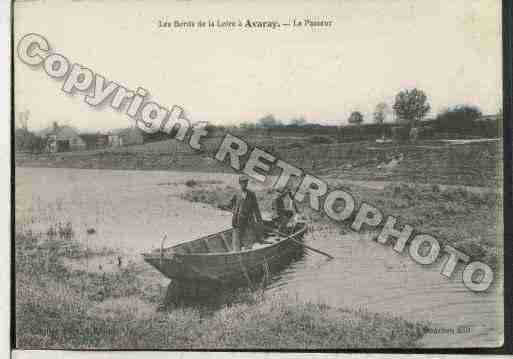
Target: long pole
(303, 244)
(313, 249)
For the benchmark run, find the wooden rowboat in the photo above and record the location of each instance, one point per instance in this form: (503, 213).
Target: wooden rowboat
(211, 259)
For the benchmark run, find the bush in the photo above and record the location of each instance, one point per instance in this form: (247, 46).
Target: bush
(216, 198)
(191, 183)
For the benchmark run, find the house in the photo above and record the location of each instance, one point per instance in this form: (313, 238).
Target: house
(114, 139)
(62, 139)
(95, 140)
(129, 136)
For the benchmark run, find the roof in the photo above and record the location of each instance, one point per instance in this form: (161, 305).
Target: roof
(67, 131)
(62, 132)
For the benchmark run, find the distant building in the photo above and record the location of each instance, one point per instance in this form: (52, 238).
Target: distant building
(95, 140)
(114, 139)
(62, 139)
(129, 136)
(66, 138)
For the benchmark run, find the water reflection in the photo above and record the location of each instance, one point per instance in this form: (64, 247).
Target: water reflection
(209, 295)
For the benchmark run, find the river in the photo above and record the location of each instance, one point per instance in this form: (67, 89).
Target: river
(131, 211)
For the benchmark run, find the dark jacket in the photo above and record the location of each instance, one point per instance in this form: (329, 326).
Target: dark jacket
(280, 207)
(245, 209)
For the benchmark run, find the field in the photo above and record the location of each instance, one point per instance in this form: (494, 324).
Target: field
(471, 164)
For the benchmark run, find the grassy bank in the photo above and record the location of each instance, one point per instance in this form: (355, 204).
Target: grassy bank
(467, 220)
(473, 164)
(57, 307)
(457, 216)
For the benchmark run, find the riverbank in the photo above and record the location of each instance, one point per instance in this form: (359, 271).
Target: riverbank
(61, 308)
(465, 164)
(464, 218)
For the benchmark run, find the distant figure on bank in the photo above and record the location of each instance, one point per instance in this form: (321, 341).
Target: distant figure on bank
(283, 210)
(68, 231)
(246, 217)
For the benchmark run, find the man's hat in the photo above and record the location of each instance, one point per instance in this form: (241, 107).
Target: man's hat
(243, 178)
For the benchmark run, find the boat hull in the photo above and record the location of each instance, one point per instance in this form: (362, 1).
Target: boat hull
(235, 268)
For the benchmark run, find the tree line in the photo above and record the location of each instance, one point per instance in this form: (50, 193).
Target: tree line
(409, 110)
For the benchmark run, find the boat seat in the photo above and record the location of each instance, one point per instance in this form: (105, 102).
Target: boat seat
(216, 245)
(226, 242)
(198, 246)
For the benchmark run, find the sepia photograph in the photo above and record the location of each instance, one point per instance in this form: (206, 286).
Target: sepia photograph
(271, 175)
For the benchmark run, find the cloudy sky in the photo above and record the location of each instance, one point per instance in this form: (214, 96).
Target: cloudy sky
(451, 50)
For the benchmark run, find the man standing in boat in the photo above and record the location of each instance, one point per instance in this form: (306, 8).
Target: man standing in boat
(246, 217)
(283, 210)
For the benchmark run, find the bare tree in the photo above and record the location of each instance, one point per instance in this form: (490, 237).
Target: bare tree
(381, 112)
(23, 118)
(355, 118)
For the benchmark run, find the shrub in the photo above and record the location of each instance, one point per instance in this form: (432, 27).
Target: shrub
(472, 248)
(191, 183)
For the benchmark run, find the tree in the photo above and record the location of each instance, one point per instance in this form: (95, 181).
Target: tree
(380, 113)
(356, 118)
(411, 106)
(23, 118)
(268, 122)
(26, 141)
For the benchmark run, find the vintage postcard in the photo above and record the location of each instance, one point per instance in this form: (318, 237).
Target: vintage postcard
(258, 175)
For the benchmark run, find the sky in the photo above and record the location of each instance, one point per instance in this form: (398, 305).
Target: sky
(451, 50)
